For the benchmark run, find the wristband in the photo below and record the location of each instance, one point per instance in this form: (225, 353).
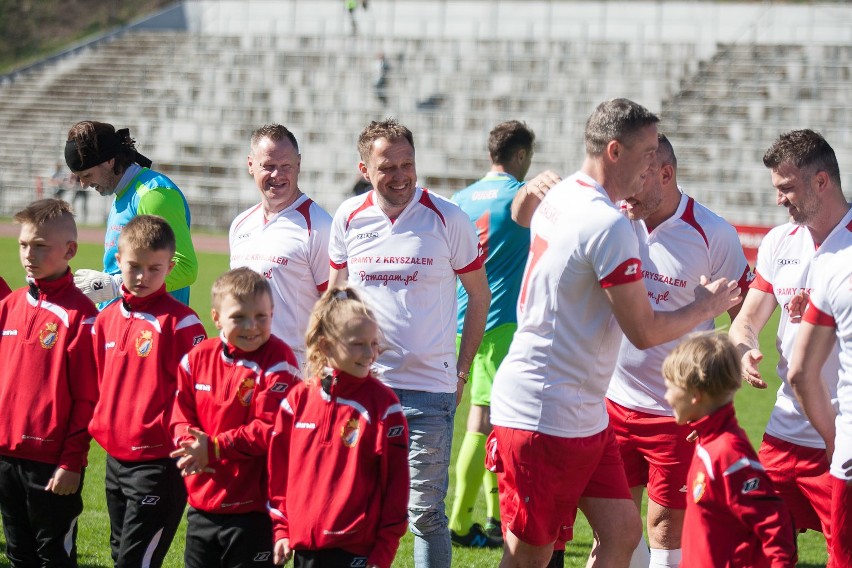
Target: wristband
(463, 375)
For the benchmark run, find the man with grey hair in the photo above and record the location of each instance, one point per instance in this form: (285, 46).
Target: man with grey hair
(285, 236)
(552, 447)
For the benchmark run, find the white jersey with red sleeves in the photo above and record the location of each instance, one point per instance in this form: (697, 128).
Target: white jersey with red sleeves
(693, 242)
(784, 262)
(831, 305)
(291, 251)
(406, 270)
(559, 365)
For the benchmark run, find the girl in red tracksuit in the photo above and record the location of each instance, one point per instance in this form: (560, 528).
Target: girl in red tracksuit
(734, 517)
(338, 457)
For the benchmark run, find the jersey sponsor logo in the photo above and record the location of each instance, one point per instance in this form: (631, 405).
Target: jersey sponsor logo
(367, 235)
(261, 557)
(480, 195)
(242, 236)
(350, 433)
(385, 278)
(788, 261)
(10, 332)
(657, 298)
(203, 387)
(750, 485)
(683, 489)
(150, 500)
(145, 343)
(305, 425)
(47, 336)
(655, 277)
(278, 387)
(267, 274)
(36, 438)
(395, 431)
(246, 391)
(698, 487)
(109, 345)
(358, 562)
(197, 339)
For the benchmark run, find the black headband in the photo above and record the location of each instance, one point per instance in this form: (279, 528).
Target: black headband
(85, 156)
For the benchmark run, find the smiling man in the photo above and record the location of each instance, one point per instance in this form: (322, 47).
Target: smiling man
(285, 236)
(106, 160)
(806, 177)
(403, 248)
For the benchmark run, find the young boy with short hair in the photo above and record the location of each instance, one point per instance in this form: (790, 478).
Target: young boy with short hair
(139, 342)
(733, 515)
(229, 391)
(48, 390)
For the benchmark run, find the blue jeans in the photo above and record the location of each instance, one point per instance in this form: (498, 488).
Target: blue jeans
(430, 426)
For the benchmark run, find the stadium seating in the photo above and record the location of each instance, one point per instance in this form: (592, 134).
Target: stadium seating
(192, 98)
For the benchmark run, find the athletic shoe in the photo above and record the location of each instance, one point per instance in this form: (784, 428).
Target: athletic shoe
(476, 538)
(494, 529)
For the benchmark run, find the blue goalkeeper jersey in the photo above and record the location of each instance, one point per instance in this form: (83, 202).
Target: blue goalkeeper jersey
(146, 192)
(505, 244)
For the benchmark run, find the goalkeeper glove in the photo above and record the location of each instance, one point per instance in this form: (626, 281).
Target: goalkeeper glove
(98, 286)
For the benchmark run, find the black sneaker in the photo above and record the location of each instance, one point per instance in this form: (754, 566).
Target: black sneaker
(494, 529)
(476, 538)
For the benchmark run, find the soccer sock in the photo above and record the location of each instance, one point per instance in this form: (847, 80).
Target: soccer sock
(640, 558)
(492, 497)
(469, 468)
(661, 558)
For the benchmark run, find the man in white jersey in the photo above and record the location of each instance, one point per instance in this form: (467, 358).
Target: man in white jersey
(285, 236)
(551, 446)
(827, 321)
(806, 177)
(403, 247)
(679, 241)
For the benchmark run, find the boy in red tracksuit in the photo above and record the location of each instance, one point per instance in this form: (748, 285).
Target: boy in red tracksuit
(734, 518)
(229, 390)
(338, 457)
(139, 341)
(48, 389)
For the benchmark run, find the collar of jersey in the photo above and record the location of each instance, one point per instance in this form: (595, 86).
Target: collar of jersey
(49, 287)
(135, 303)
(715, 422)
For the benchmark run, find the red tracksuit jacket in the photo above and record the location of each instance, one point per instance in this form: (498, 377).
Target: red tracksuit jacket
(48, 383)
(734, 518)
(233, 397)
(338, 469)
(139, 343)
(4, 289)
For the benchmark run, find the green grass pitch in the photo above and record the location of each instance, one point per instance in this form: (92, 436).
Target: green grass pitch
(753, 409)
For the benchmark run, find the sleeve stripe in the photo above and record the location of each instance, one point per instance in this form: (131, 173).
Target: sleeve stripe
(814, 316)
(628, 271)
(392, 409)
(475, 265)
(743, 463)
(761, 284)
(187, 322)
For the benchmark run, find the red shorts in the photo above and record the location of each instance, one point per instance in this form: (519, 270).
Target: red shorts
(541, 479)
(800, 475)
(655, 453)
(841, 522)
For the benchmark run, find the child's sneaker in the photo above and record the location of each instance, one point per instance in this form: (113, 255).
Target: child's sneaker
(476, 538)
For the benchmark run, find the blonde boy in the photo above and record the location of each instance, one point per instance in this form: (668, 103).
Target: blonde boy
(139, 342)
(729, 495)
(47, 392)
(229, 390)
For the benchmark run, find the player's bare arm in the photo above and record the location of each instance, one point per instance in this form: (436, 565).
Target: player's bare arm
(757, 308)
(337, 277)
(530, 195)
(475, 284)
(813, 346)
(646, 328)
